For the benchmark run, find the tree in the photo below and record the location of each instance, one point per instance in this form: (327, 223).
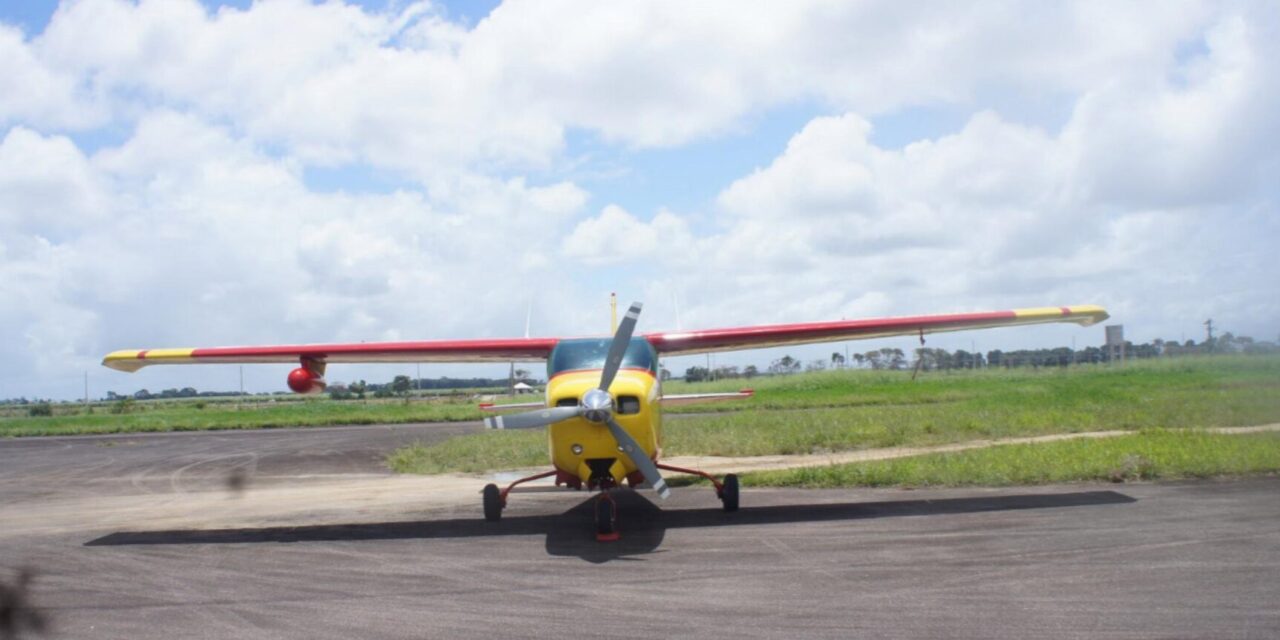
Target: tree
(894, 357)
(358, 388)
(522, 375)
(859, 358)
(873, 358)
(696, 374)
(750, 372)
(837, 360)
(784, 365)
(401, 385)
(816, 365)
(664, 374)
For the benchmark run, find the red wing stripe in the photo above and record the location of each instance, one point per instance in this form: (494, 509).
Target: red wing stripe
(677, 342)
(817, 330)
(534, 348)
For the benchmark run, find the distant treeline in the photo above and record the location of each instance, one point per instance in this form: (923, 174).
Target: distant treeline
(931, 359)
(404, 385)
(401, 385)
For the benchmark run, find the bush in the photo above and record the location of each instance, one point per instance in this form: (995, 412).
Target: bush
(42, 409)
(123, 405)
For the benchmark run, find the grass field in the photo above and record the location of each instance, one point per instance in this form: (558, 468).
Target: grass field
(1149, 455)
(849, 410)
(189, 415)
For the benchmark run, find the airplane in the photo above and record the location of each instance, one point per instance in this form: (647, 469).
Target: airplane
(603, 405)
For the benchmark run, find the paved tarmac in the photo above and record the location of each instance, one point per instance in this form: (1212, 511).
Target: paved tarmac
(270, 534)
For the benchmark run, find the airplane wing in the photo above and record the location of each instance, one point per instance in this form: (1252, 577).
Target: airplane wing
(485, 350)
(695, 398)
(534, 349)
(775, 335)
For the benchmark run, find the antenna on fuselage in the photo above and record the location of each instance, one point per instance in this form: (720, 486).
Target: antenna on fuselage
(528, 317)
(511, 374)
(613, 313)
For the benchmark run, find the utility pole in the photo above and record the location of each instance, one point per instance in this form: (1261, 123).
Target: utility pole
(1208, 328)
(86, 388)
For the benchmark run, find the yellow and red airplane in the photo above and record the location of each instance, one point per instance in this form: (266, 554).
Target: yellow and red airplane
(604, 395)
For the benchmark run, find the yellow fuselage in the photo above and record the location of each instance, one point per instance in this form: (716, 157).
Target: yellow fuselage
(637, 409)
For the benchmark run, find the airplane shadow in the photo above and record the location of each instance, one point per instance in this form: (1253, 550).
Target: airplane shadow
(642, 523)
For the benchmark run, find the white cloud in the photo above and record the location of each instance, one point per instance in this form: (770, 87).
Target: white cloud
(1156, 196)
(1133, 205)
(411, 91)
(616, 236)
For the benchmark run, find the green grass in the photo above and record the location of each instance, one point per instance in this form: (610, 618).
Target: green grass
(850, 410)
(186, 416)
(488, 451)
(1149, 455)
(803, 413)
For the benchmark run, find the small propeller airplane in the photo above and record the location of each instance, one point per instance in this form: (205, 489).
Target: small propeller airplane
(604, 396)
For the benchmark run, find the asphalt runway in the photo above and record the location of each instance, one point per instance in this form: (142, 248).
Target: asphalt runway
(302, 534)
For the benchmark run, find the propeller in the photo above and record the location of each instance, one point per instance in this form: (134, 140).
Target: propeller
(531, 419)
(597, 406)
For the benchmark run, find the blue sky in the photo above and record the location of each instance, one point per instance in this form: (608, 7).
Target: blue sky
(286, 171)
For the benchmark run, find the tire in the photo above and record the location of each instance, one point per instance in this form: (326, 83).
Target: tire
(492, 503)
(729, 493)
(606, 514)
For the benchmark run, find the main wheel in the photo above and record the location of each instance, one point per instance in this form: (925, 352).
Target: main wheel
(606, 516)
(492, 503)
(729, 492)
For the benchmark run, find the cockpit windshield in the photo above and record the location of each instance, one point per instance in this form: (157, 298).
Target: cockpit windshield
(590, 353)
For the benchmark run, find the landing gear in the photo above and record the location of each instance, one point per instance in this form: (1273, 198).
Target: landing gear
(495, 501)
(605, 508)
(729, 493)
(492, 503)
(606, 518)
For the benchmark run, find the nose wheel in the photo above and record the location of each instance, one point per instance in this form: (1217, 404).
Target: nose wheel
(606, 518)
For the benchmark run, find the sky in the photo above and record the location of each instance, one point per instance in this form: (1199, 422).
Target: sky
(176, 173)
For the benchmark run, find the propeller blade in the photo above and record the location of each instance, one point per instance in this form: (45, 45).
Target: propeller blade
(618, 348)
(531, 419)
(633, 451)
